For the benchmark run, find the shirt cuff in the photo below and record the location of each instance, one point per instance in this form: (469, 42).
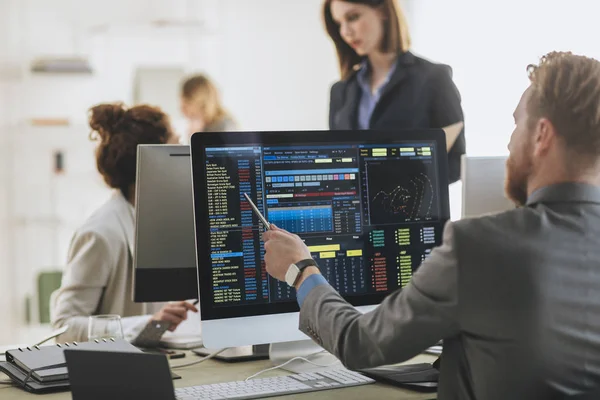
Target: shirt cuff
(309, 284)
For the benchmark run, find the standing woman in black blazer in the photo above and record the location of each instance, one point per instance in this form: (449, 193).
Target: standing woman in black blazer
(383, 85)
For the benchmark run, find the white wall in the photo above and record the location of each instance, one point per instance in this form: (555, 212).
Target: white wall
(490, 43)
(5, 270)
(277, 63)
(9, 67)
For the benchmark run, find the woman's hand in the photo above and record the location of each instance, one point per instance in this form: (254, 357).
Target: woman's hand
(174, 313)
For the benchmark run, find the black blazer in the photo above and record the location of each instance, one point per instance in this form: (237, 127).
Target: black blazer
(420, 94)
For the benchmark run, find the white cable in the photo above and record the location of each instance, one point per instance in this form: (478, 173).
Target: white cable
(54, 334)
(289, 361)
(208, 357)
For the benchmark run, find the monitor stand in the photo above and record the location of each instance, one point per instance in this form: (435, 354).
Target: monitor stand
(281, 353)
(237, 354)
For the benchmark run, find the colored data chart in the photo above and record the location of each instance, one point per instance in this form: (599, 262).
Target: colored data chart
(303, 219)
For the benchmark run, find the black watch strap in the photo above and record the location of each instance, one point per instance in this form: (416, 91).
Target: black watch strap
(309, 262)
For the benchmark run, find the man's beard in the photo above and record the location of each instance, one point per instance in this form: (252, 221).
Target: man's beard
(515, 185)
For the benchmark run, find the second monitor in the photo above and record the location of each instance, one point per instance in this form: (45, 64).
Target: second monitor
(165, 248)
(483, 182)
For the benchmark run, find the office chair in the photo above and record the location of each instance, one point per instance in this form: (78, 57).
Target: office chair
(47, 282)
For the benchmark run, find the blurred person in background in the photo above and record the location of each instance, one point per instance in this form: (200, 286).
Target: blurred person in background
(201, 105)
(383, 85)
(99, 272)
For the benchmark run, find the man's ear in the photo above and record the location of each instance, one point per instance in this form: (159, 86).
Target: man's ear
(544, 137)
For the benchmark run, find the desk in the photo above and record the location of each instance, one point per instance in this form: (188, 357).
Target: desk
(212, 371)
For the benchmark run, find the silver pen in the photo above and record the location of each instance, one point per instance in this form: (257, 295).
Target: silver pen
(266, 223)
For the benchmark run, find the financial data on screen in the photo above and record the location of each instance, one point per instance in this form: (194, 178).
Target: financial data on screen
(370, 214)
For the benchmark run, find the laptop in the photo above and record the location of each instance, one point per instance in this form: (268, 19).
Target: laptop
(101, 375)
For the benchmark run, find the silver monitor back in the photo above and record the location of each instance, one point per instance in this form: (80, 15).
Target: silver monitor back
(483, 186)
(165, 246)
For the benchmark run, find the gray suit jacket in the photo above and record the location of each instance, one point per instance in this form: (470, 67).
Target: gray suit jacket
(515, 297)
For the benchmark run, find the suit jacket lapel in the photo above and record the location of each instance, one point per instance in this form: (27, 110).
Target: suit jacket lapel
(398, 76)
(400, 73)
(346, 117)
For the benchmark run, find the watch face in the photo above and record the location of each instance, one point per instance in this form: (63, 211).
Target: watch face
(292, 274)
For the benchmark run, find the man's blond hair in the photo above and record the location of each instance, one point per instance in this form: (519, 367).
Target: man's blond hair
(565, 89)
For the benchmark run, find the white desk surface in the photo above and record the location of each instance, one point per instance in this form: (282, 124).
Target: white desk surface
(213, 371)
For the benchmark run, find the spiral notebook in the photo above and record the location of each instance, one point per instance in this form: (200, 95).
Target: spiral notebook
(28, 359)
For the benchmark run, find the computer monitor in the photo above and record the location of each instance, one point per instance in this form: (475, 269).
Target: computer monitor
(483, 186)
(165, 248)
(370, 205)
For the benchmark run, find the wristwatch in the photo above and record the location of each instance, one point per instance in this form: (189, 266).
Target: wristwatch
(295, 270)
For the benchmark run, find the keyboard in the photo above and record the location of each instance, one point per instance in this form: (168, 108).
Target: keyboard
(277, 386)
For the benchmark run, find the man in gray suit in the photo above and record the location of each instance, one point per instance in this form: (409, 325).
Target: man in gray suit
(515, 296)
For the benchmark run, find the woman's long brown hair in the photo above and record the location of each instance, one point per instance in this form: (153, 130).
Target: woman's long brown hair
(396, 37)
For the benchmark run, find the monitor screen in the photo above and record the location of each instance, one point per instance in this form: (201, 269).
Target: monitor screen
(483, 182)
(370, 211)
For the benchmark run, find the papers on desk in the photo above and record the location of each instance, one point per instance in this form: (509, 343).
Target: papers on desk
(186, 336)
